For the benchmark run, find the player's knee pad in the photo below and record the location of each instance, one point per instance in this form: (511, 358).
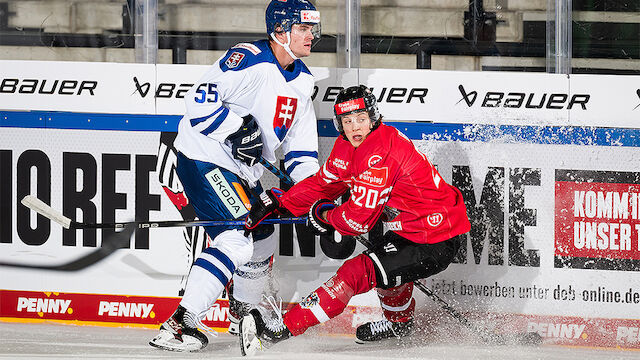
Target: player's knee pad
(358, 273)
(399, 294)
(264, 248)
(397, 302)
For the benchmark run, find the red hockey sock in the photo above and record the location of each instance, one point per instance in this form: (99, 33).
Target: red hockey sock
(355, 276)
(397, 303)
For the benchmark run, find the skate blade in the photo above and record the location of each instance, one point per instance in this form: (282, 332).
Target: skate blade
(249, 341)
(386, 341)
(166, 341)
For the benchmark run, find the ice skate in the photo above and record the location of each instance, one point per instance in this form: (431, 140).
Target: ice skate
(381, 330)
(261, 328)
(180, 333)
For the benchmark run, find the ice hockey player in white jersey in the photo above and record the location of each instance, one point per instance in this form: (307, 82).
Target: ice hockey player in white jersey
(253, 100)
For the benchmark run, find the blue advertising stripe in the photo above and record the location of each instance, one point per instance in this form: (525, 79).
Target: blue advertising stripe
(557, 135)
(88, 121)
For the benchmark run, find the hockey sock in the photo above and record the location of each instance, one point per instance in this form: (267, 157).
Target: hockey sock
(210, 274)
(355, 276)
(397, 303)
(250, 279)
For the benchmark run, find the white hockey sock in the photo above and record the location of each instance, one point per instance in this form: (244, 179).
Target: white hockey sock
(213, 269)
(250, 279)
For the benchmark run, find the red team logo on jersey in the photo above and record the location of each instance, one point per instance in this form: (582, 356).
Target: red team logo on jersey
(285, 111)
(234, 60)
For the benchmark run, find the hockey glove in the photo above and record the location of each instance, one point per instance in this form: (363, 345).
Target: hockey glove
(267, 204)
(315, 221)
(246, 143)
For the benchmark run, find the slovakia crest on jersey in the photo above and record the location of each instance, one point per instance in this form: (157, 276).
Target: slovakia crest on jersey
(285, 112)
(234, 60)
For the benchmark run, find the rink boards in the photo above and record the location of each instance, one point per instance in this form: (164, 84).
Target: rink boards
(547, 164)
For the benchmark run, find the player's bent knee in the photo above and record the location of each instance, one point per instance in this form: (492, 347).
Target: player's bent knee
(358, 273)
(235, 245)
(265, 248)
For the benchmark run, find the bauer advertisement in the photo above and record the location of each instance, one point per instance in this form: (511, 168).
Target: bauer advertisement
(547, 165)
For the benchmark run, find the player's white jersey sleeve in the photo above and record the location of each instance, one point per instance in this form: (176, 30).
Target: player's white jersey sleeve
(206, 101)
(300, 147)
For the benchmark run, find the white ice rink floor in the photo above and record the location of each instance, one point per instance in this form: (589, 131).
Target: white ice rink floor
(54, 341)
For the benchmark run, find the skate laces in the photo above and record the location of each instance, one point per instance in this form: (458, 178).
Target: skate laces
(190, 319)
(275, 322)
(204, 327)
(380, 326)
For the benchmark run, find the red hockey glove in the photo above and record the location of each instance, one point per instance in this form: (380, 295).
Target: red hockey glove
(315, 221)
(267, 204)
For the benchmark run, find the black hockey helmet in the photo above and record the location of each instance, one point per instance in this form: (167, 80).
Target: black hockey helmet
(354, 99)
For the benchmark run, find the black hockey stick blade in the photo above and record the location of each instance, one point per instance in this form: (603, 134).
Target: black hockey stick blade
(110, 244)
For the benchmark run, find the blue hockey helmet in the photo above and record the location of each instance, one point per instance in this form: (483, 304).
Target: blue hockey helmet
(285, 13)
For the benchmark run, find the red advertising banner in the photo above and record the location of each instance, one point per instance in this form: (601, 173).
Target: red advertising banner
(122, 310)
(597, 220)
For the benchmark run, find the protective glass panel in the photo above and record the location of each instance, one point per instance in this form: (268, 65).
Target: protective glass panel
(464, 35)
(467, 35)
(606, 37)
(65, 30)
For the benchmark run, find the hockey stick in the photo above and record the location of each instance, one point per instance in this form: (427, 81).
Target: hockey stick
(47, 211)
(110, 244)
(275, 171)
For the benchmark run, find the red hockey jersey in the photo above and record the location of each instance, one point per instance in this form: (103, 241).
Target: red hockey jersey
(386, 174)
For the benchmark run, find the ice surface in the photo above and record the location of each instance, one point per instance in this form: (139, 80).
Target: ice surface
(54, 341)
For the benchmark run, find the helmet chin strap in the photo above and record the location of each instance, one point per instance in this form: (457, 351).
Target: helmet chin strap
(285, 46)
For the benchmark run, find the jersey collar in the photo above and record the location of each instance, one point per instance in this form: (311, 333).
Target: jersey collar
(297, 66)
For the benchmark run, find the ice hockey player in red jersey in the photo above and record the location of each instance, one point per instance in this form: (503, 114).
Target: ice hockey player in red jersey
(389, 180)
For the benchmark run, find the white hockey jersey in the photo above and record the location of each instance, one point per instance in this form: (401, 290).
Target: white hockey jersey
(249, 80)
